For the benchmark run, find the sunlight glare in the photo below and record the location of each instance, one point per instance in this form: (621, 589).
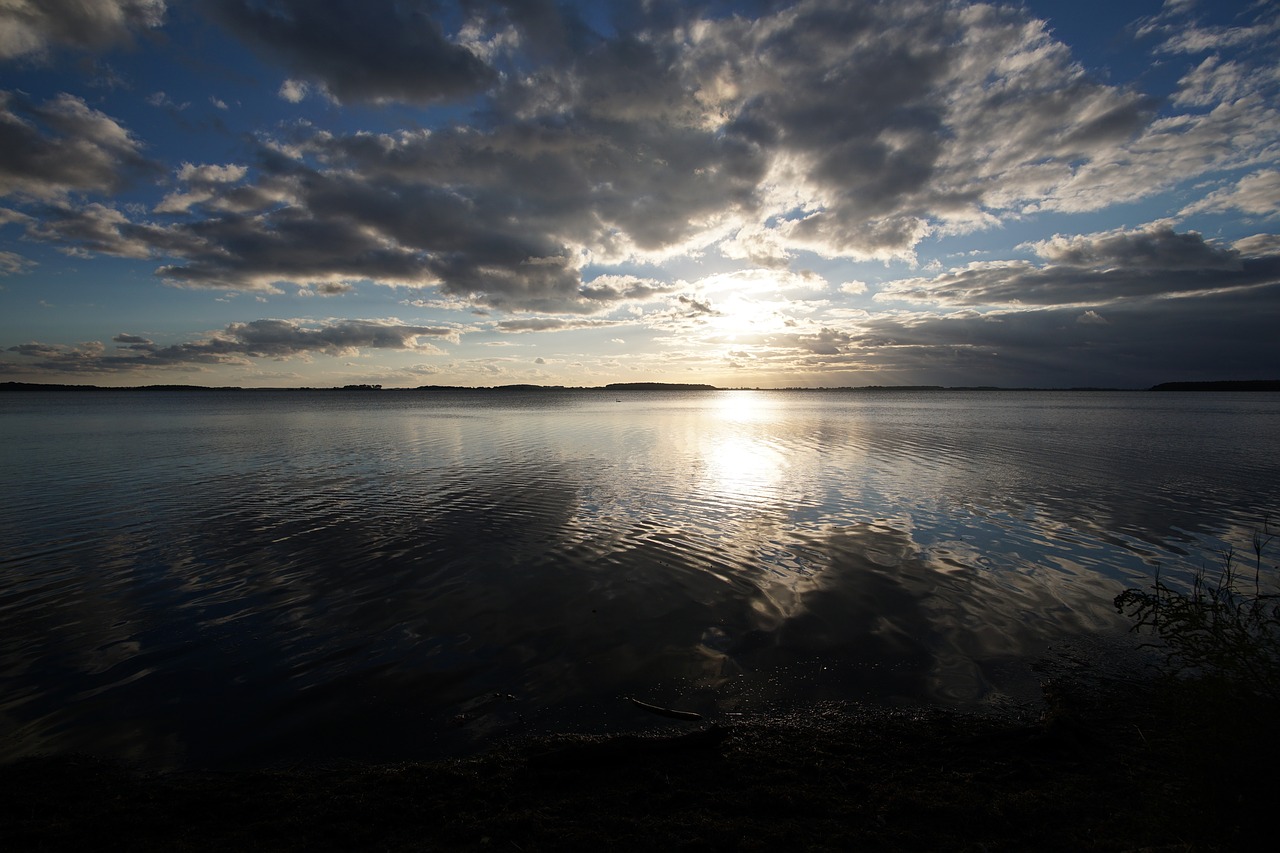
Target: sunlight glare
(742, 463)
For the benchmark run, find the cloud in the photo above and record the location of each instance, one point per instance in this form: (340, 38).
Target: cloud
(555, 324)
(283, 338)
(203, 184)
(330, 288)
(697, 306)
(359, 50)
(891, 121)
(1142, 342)
(98, 228)
(1139, 343)
(32, 27)
(61, 146)
(211, 174)
(1258, 245)
(12, 263)
(1258, 193)
(1184, 37)
(234, 345)
(1231, 122)
(1096, 269)
(1216, 81)
(849, 130)
(1155, 247)
(161, 100)
(500, 220)
(616, 288)
(294, 91)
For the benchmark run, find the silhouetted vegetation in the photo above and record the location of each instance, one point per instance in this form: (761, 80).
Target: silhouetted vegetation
(1226, 627)
(658, 386)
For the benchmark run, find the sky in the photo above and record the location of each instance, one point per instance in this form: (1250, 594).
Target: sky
(1058, 193)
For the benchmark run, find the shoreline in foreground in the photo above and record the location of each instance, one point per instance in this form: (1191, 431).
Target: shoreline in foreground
(1111, 765)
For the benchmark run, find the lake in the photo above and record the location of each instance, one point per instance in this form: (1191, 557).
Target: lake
(232, 578)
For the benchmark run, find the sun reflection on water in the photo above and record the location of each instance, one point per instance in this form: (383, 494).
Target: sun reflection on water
(742, 462)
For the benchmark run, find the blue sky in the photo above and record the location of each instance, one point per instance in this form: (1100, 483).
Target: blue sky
(819, 193)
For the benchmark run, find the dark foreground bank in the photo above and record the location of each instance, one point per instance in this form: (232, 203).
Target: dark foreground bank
(1109, 766)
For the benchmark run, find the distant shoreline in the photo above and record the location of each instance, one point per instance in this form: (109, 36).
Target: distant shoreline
(1261, 385)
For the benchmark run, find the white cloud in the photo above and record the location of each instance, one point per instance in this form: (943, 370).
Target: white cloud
(1258, 193)
(1258, 245)
(294, 91)
(202, 184)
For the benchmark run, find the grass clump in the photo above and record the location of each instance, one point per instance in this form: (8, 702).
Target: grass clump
(1226, 628)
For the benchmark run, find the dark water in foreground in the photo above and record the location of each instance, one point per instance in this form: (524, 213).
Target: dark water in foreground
(232, 577)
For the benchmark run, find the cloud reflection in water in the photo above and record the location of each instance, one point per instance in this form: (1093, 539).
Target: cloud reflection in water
(249, 577)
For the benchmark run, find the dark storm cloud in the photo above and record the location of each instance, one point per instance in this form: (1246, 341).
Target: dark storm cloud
(238, 342)
(1134, 344)
(1142, 342)
(358, 50)
(1095, 270)
(30, 27)
(61, 146)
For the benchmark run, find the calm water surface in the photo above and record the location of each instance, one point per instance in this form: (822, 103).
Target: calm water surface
(225, 578)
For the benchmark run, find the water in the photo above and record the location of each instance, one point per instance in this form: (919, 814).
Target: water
(230, 578)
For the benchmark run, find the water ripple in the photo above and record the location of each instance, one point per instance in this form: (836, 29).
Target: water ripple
(215, 578)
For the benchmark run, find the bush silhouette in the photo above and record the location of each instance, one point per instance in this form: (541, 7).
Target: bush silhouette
(1224, 628)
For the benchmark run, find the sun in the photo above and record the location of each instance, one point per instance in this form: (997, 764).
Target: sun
(749, 306)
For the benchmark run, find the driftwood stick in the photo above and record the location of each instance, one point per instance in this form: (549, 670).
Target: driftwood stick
(666, 712)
